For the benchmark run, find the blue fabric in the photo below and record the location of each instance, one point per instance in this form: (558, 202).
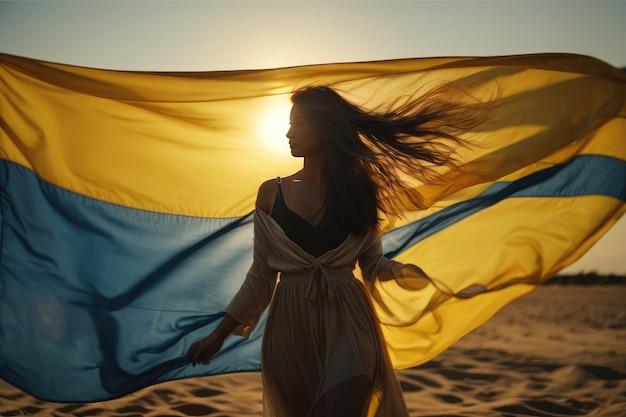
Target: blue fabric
(583, 175)
(105, 299)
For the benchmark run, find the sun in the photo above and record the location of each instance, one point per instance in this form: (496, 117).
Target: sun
(274, 123)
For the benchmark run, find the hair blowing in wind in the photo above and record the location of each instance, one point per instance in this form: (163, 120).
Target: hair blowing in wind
(369, 152)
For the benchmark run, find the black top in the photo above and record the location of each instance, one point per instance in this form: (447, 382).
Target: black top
(316, 240)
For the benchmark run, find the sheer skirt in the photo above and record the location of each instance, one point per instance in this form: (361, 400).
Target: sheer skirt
(325, 342)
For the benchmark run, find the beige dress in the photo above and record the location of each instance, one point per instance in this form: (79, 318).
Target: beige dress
(321, 328)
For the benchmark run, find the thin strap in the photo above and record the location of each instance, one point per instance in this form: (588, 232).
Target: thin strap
(280, 188)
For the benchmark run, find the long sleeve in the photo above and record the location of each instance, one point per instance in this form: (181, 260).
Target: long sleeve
(255, 293)
(375, 266)
(402, 293)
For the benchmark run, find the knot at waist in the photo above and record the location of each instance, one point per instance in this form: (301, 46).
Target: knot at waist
(318, 277)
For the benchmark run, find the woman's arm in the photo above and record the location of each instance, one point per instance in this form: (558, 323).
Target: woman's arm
(376, 267)
(250, 300)
(202, 350)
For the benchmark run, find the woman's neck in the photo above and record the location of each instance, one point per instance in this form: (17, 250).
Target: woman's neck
(313, 170)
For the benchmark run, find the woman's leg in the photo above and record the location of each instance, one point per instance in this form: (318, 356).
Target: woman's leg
(347, 399)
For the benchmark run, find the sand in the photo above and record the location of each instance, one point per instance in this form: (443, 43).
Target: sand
(559, 351)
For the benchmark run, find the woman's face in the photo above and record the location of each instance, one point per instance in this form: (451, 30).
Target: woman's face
(302, 140)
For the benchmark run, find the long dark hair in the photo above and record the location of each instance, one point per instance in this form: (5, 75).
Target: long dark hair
(368, 152)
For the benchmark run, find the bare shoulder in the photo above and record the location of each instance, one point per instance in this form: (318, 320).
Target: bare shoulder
(266, 194)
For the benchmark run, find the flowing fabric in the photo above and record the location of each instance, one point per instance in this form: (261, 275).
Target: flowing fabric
(127, 205)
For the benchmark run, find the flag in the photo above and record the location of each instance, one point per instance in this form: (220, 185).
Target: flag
(127, 200)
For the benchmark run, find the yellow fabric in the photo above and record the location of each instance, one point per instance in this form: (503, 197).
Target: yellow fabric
(190, 144)
(155, 141)
(496, 249)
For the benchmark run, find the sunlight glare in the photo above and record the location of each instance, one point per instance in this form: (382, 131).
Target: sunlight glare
(274, 124)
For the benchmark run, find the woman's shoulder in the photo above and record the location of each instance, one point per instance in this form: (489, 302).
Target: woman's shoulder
(265, 195)
(267, 192)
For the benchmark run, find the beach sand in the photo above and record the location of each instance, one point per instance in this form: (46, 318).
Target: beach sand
(559, 351)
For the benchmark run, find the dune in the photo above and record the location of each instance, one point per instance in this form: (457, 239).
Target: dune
(559, 351)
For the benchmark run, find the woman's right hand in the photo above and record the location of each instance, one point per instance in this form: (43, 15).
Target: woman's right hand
(202, 350)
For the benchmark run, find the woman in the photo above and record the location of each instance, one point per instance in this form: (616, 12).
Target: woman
(323, 352)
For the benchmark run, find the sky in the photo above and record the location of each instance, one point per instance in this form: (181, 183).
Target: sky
(229, 35)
